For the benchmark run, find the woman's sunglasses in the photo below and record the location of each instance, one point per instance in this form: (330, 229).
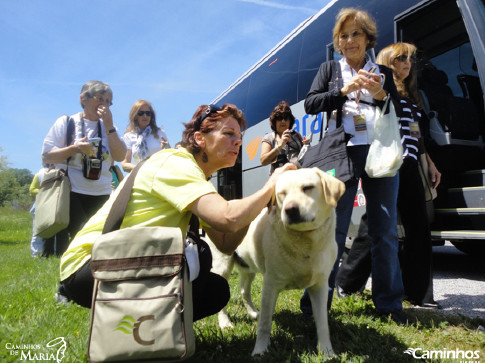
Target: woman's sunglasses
(210, 109)
(404, 58)
(141, 113)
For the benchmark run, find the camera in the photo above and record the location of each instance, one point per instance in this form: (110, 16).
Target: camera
(91, 167)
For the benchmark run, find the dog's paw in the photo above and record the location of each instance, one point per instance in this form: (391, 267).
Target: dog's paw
(261, 346)
(258, 351)
(253, 314)
(326, 351)
(225, 323)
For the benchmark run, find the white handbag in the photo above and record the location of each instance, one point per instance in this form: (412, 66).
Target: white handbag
(385, 153)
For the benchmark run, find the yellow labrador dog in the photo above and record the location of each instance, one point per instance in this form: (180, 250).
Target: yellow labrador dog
(293, 246)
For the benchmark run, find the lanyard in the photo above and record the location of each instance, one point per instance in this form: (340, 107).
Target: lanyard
(358, 93)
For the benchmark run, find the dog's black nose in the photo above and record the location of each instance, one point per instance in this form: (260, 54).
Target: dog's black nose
(293, 212)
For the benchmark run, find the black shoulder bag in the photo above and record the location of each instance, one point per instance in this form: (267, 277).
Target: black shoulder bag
(330, 154)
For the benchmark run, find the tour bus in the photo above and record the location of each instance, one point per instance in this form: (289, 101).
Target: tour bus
(450, 36)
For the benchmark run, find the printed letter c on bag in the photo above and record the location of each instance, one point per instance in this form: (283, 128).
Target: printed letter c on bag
(128, 325)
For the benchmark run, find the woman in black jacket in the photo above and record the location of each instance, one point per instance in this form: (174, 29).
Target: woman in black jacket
(350, 91)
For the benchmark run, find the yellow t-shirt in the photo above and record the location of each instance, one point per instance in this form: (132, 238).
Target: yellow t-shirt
(165, 185)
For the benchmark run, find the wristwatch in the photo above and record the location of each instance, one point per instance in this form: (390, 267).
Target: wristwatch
(111, 131)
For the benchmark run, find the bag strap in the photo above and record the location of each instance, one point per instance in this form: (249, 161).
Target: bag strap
(336, 73)
(69, 133)
(117, 212)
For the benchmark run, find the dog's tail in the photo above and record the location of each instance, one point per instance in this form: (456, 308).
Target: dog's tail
(238, 259)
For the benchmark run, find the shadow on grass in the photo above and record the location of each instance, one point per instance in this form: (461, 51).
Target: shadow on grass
(294, 339)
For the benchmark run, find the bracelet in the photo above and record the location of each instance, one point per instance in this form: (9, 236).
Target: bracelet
(111, 131)
(377, 92)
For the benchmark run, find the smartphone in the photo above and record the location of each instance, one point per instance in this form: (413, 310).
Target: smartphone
(371, 70)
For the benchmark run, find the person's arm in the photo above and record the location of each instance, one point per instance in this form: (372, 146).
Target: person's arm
(229, 219)
(433, 172)
(117, 147)
(34, 186)
(126, 163)
(389, 88)
(268, 153)
(59, 155)
(324, 95)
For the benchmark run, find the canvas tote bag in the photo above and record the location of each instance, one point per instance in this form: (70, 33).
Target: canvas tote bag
(142, 298)
(52, 204)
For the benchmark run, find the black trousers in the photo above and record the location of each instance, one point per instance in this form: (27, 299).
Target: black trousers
(416, 253)
(210, 292)
(82, 208)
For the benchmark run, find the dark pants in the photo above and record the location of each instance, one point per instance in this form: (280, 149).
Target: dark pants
(210, 292)
(416, 254)
(82, 208)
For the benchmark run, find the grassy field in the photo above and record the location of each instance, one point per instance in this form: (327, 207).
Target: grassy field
(29, 316)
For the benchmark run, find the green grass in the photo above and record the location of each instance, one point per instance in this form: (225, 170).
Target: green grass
(29, 315)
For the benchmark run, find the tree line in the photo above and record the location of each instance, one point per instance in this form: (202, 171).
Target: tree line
(14, 185)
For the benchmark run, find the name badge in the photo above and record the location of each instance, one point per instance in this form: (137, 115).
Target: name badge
(414, 129)
(359, 123)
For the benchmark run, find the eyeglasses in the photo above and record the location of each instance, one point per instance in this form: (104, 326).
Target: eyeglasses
(141, 113)
(101, 99)
(404, 58)
(210, 109)
(354, 34)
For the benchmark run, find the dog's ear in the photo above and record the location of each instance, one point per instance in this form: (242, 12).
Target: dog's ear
(333, 188)
(272, 202)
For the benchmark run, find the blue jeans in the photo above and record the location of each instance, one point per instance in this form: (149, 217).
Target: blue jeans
(381, 196)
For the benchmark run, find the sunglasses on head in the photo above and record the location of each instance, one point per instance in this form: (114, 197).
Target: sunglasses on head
(404, 58)
(210, 109)
(141, 113)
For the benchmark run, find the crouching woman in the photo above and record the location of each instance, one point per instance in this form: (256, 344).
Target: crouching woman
(170, 187)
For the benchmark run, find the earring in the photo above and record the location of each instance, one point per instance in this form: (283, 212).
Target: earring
(205, 159)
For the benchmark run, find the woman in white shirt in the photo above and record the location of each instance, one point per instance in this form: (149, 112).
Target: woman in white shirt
(142, 137)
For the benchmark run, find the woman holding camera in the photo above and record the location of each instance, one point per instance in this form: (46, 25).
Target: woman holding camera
(283, 144)
(84, 144)
(142, 137)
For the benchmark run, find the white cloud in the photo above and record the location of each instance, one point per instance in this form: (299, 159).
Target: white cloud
(279, 6)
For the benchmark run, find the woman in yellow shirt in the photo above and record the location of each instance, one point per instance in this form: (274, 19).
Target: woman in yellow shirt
(170, 187)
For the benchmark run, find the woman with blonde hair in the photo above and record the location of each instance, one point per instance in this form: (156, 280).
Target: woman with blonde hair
(142, 137)
(416, 261)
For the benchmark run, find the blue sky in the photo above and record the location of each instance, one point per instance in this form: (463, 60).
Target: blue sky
(177, 54)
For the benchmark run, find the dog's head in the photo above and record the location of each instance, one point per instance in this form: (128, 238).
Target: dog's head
(306, 197)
